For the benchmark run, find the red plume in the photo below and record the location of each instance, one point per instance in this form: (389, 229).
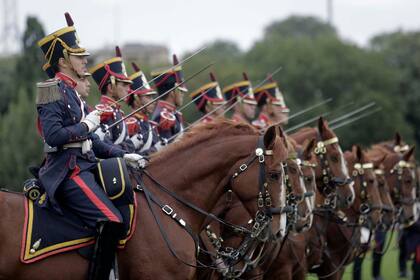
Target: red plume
(135, 67)
(270, 78)
(69, 19)
(118, 51)
(175, 59)
(212, 77)
(245, 76)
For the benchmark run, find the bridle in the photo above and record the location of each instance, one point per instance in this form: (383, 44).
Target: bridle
(329, 181)
(366, 206)
(398, 171)
(261, 222)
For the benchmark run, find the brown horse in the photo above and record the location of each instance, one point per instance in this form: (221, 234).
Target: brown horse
(290, 262)
(233, 212)
(345, 241)
(332, 176)
(197, 168)
(399, 169)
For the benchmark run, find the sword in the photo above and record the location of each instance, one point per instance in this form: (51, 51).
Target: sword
(310, 108)
(361, 116)
(162, 95)
(302, 124)
(160, 75)
(220, 106)
(343, 117)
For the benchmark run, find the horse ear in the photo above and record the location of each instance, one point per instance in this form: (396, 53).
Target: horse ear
(397, 139)
(407, 155)
(308, 147)
(321, 125)
(270, 137)
(359, 153)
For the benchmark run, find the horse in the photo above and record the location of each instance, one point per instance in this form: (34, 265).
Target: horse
(233, 212)
(399, 171)
(332, 176)
(195, 172)
(347, 240)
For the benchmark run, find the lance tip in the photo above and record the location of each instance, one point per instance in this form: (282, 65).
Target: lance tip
(69, 20)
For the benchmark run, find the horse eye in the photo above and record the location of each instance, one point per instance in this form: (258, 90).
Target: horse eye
(334, 159)
(292, 170)
(371, 181)
(275, 176)
(308, 179)
(408, 181)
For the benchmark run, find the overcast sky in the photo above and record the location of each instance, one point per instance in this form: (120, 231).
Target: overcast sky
(187, 24)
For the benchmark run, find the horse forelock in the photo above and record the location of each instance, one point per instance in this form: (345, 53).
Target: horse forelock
(204, 132)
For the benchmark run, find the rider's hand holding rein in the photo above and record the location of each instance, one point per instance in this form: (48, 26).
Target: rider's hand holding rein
(135, 160)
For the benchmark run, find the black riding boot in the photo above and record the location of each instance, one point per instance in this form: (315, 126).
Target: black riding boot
(357, 268)
(104, 253)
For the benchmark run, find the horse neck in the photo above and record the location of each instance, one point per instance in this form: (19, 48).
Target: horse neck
(200, 174)
(304, 134)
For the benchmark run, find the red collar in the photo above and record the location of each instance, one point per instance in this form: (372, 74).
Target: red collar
(68, 80)
(239, 118)
(163, 104)
(263, 117)
(109, 101)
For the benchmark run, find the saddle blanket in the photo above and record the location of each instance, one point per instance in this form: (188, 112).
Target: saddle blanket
(47, 233)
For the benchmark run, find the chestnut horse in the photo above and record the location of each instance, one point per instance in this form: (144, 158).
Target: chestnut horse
(259, 251)
(333, 180)
(197, 168)
(347, 240)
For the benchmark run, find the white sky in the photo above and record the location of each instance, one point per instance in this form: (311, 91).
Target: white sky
(186, 24)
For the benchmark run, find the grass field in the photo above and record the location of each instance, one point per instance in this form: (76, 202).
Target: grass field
(389, 268)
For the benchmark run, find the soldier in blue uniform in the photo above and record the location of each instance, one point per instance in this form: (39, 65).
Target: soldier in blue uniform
(145, 135)
(208, 98)
(71, 148)
(166, 115)
(241, 93)
(114, 84)
(273, 109)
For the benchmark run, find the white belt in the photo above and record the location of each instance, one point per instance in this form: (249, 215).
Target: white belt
(86, 145)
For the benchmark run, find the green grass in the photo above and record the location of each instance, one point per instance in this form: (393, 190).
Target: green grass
(389, 267)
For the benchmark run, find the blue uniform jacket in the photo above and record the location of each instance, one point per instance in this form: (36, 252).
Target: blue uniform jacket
(168, 119)
(118, 134)
(60, 112)
(148, 134)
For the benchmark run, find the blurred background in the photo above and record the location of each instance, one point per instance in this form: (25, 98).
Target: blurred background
(353, 51)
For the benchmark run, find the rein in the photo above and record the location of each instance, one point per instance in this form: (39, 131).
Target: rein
(262, 218)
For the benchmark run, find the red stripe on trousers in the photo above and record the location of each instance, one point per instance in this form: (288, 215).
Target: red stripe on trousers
(95, 200)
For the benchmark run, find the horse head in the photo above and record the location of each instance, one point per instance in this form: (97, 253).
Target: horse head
(333, 178)
(367, 205)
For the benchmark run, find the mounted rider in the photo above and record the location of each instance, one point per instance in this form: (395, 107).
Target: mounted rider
(242, 95)
(143, 132)
(72, 148)
(208, 98)
(169, 119)
(273, 109)
(114, 84)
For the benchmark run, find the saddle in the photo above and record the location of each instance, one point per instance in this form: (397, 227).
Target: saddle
(46, 232)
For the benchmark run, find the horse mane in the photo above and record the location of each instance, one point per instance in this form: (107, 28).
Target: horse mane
(203, 132)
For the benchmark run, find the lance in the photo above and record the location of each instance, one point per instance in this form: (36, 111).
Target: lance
(160, 75)
(361, 116)
(220, 106)
(162, 95)
(310, 108)
(352, 113)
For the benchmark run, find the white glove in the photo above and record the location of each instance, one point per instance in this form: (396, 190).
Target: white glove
(137, 141)
(135, 160)
(102, 132)
(161, 144)
(92, 120)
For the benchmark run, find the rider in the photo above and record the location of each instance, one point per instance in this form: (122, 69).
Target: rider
(209, 100)
(71, 148)
(241, 95)
(114, 84)
(144, 132)
(166, 115)
(273, 109)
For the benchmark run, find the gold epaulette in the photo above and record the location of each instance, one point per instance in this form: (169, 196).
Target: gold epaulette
(48, 92)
